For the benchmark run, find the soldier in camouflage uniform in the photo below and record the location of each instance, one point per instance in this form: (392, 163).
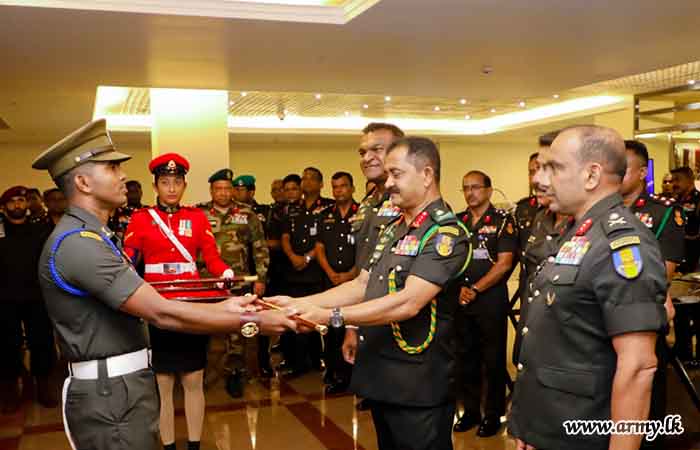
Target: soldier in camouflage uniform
(240, 239)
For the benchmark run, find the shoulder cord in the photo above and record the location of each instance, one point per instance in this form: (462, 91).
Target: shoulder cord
(432, 329)
(663, 222)
(57, 278)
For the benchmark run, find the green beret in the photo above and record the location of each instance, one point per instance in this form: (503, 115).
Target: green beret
(245, 180)
(223, 174)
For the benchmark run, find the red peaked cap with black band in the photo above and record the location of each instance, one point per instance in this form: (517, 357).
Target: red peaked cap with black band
(169, 164)
(15, 191)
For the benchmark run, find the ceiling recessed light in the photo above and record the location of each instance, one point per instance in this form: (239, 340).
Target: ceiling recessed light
(347, 113)
(365, 106)
(318, 96)
(387, 98)
(691, 82)
(463, 101)
(243, 94)
(555, 96)
(521, 104)
(467, 117)
(493, 110)
(437, 108)
(285, 112)
(231, 103)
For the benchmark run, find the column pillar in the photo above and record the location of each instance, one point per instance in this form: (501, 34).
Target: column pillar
(193, 123)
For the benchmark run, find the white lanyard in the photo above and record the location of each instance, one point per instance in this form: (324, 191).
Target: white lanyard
(169, 233)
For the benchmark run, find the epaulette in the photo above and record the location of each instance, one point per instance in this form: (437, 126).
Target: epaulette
(440, 215)
(615, 221)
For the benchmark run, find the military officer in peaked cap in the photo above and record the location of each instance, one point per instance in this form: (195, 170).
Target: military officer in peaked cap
(96, 302)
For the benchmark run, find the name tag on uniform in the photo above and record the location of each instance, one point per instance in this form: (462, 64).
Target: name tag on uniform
(185, 228)
(572, 252)
(388, 210)
(408, 246)
(481, 253)
(240, 219)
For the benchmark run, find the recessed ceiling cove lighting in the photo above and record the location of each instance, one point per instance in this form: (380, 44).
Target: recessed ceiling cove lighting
(243, 94)
(555, 96)
(365, 106)
(387, 98)
(318, 96)
(347, 113)
(437, 108)
(463, 101)
(467, 117)
(493, 110)
(521, 104)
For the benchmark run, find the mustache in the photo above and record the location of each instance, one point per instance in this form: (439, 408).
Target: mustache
(393, 190)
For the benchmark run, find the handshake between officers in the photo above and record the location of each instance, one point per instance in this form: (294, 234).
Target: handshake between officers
(401, 303)
(97, 302)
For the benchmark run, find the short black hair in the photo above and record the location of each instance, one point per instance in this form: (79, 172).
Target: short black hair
(485, 178)
(602, 145)
(49, 192)
(319, 175)
(685, 171)
(375, 126)
(339, 175)
(133, 183)
(421, 151)
(291, 178)
(546, 139)
(33, 191)
(638, 149)
(534, 156)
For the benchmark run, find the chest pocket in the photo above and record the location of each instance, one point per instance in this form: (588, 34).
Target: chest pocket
(563, 275)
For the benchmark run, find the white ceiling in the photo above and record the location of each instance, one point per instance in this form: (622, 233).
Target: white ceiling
(52, 60)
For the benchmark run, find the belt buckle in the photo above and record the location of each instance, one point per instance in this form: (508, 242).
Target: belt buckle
(171, 268)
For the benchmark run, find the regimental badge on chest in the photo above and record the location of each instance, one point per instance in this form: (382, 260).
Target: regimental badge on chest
(572, 252)
(388, 210)
(239, 219)
(184, 228)
(646, 219)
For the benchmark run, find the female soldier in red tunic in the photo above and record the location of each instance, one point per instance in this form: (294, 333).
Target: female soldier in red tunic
(168, 237)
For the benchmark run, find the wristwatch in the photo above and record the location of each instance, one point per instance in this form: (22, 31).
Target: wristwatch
(337, 319)
(250, 324)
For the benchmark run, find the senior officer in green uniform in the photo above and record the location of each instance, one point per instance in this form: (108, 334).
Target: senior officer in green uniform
(375, 209)
(587, 348)
(244, 192)
(482, 320)
(665, 219)
(240, 240)
(405, 355)
(95, 300)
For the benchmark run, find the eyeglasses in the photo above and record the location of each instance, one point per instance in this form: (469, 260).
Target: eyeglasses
(473, 187)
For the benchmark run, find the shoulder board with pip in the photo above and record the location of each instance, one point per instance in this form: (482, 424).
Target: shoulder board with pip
(440, 215)
(616, 220)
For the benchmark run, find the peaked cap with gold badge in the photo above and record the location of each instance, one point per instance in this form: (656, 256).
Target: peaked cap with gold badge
(89, 143)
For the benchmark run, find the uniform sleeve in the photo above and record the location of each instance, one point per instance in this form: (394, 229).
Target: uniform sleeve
(630, 305)
(133, 238)
(671, 239)
(85, 261)
(207, 245)
(261, 253)
(508, 236)
(442, 258)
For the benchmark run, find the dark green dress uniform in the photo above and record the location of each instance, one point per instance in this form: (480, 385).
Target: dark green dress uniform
(606, 279)
(408, 378)
(482, 324)
(339, 243)
(525, 211)
(106, 412)
(109, 399)
(372, 216)
(545, 234)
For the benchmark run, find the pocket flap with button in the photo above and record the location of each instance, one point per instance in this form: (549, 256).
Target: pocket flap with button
(563, 274)
(577, 382)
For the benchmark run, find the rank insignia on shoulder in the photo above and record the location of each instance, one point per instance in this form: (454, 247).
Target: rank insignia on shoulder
(624, 242)
(444, 244)
(628, 261)
(92, 235)
(615, 219)
(571, 252)
(449, 230)
(678, 218)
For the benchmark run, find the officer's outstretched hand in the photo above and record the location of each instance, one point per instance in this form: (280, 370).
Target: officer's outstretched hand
(240, 304)
(306, 310)
(276, 322)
